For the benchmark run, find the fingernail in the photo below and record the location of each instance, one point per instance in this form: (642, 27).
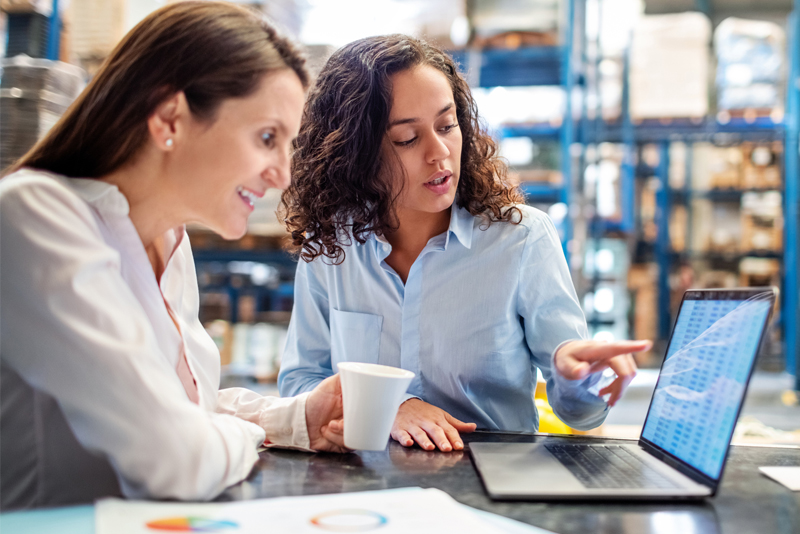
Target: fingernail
(459, 445)
(445, 446)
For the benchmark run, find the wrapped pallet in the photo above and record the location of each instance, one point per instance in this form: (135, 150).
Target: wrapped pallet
(34, 93)
(750, 65)
(669, 65)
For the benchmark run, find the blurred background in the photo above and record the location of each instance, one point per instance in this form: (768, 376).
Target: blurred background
(661, 136)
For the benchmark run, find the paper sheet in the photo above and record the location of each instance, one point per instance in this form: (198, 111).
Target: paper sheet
(386, 512)
(788, 476)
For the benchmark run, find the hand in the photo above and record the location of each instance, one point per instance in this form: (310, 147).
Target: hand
(578, 359)
(427, 425)
(324, 414)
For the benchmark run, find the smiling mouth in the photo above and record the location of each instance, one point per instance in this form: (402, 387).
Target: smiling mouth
(247, 196)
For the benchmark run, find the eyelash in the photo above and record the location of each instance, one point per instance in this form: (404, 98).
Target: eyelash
(446, 130)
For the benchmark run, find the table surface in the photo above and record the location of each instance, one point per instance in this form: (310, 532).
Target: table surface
(746, 502)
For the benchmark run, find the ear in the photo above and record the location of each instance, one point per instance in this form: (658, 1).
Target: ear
(167, 123)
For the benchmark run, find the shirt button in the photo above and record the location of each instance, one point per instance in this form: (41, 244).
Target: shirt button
(287, 430)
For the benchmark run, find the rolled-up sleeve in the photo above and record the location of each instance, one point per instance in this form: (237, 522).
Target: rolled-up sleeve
(72, 328)
(551, 316)
(283, 420)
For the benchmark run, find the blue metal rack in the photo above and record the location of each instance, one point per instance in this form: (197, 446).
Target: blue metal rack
(54, 37)
(791, 196)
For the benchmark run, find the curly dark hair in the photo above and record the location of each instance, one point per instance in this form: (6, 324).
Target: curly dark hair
(338, 192)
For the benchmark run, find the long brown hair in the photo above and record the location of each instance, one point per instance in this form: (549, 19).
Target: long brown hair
(209, 50)
(338, 192)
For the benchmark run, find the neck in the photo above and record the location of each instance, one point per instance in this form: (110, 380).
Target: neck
(152, 206)
(416, 228)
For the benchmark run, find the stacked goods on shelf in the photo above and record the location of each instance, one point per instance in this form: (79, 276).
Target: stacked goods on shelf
(716, 167)
(602, 180)
(761, 166)
(34, 93)
(252, 350)
(43, 7)
(750, 68)
(762, 221)
(532, 160)
(669, 66)
(514, 23)
(643, 288)
(739, 222)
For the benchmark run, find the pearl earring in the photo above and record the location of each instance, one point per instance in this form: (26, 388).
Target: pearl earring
(169, 142)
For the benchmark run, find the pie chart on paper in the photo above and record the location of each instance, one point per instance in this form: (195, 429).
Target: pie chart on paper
(192, 524)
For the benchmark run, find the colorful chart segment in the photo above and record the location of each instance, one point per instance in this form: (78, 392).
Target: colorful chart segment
(351, 520)
(191, 524)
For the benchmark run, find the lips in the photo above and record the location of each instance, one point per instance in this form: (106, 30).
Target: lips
(439, 183)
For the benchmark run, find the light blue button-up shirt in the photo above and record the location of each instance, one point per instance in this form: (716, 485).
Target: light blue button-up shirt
(481, 309)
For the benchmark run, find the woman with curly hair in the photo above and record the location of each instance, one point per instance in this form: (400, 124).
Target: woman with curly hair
(418, 254)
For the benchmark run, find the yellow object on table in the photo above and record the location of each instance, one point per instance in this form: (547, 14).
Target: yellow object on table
(548, 420)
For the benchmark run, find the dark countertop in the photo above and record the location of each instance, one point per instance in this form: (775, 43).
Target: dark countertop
(747, 501)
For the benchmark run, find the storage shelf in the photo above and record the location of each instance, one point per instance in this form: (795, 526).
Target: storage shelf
(542, 192)
(727, 256)
(536, 131)
(762, 129)
(720, 195)
(540, 65)
(275, 257)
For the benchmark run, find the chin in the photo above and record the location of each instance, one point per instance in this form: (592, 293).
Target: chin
(232, 233)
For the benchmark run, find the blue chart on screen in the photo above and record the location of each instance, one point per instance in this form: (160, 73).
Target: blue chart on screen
(703, 379)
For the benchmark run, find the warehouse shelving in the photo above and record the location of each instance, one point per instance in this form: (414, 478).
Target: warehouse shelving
(730, 131)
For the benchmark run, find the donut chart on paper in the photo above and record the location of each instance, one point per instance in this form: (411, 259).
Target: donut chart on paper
(191, 524)
(349, 520)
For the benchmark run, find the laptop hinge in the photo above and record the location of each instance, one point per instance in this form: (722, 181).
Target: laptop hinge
(679, 465)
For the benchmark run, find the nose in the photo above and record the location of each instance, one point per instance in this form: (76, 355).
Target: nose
(278, 174)
(436, 150)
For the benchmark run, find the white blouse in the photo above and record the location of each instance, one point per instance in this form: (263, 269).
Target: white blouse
(83, 320)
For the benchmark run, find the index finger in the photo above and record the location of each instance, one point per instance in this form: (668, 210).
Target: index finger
(605, 351)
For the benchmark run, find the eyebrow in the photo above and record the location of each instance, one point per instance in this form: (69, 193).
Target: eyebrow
(411, 120)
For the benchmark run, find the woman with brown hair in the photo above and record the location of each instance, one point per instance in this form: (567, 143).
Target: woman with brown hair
(109, 381)
(418, 254)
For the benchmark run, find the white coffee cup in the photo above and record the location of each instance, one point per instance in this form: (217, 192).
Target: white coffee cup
(371, 395)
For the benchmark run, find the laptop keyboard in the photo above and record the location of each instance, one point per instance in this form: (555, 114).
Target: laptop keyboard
(608, 466)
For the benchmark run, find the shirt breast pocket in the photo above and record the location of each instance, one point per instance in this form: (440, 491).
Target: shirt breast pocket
(355, 337)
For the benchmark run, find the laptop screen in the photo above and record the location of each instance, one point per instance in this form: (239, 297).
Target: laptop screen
(704, 376)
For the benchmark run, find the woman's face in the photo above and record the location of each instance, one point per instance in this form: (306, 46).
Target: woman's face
(424, 134)
(229, 162)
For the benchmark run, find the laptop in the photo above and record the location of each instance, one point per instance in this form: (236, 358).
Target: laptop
(689, 425)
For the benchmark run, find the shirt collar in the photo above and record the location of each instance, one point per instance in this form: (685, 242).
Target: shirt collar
(108, 199)
(104, 197)
(461, 224)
